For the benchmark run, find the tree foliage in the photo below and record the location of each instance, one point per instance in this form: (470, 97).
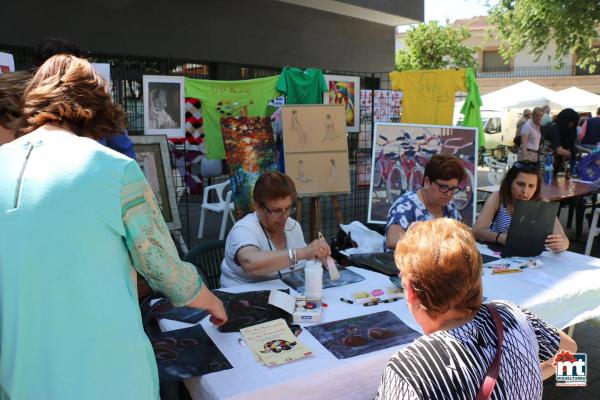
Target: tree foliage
(533, 24)
(433, 46)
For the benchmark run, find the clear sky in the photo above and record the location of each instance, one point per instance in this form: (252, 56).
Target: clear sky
(440, 10)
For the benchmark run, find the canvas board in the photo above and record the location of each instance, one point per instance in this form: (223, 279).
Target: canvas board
(316, 149)
(400, 153)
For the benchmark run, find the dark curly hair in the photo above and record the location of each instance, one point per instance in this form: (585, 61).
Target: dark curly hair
(66, 91)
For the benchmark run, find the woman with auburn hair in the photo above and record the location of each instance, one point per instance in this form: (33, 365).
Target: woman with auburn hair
(440, 268)
(12, 86)
(78, 222)
(268, 241)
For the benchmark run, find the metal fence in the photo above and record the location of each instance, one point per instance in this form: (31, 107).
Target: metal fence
(127, 73)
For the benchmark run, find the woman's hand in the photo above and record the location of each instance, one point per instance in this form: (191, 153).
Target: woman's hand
(318, 249)
(502, 239)
(206, 300)
(556, 242)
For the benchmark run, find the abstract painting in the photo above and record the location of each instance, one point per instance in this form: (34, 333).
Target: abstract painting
(364, 334)
(345, 90)
(250, 151)
(400, 153)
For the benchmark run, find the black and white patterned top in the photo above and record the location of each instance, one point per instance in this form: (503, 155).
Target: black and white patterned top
(452, 364)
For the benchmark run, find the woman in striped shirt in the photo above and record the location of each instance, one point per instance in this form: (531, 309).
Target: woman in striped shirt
(441, 274)
(522, 182)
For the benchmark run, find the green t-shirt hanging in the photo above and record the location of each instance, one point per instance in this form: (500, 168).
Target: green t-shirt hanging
(302, 87)
(247, 98)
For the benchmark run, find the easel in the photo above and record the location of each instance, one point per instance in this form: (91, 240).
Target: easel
(315, 214)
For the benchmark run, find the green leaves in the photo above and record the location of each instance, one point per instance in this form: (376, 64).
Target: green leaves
(432, 46)
(533, 24)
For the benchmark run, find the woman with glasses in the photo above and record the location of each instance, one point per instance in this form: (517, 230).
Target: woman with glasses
(267, 242)
(443, 173)
(522, 182)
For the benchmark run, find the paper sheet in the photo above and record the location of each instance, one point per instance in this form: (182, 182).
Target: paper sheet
(274, 343)
(368, 240)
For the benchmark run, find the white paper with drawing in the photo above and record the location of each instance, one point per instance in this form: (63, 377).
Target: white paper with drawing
(316, 148)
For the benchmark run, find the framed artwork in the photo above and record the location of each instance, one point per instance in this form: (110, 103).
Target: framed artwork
(400, 153)
(315, 147)
(152, 155)
(345, 90)
(164, 105)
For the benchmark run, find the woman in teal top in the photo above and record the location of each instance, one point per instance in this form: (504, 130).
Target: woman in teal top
(77, 220)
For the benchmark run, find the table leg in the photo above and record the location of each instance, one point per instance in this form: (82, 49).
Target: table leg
(579, 213)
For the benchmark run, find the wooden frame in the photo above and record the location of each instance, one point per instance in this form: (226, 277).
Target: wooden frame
(348, 94)
(164, 105)
(152, 155)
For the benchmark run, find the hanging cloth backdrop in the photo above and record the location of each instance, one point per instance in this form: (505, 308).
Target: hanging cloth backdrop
(429, 94)
(246, 98)
(302, 86)
(471, 108)
(250, 151)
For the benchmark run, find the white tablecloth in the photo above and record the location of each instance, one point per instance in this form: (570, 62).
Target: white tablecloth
(563, 291)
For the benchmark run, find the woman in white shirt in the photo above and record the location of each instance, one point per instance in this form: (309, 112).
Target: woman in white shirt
(267, 242)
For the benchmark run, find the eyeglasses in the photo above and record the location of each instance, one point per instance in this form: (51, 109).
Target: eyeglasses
(445, 188)
(280, 213)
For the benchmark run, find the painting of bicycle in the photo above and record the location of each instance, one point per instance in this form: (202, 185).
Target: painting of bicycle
(400, 153)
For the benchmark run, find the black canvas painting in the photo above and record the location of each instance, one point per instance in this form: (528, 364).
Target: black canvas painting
(249, 308)
(364, 334)
(295, 279)
(185, 353)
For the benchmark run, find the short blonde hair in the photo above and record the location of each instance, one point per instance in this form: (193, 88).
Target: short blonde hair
(66, 90)
(440, 260)
(12, 87)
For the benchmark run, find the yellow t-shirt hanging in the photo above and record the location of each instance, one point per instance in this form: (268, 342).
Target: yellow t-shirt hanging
(429, 94)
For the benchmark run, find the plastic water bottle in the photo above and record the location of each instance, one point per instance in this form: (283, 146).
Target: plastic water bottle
(313, 284)
(549, 169)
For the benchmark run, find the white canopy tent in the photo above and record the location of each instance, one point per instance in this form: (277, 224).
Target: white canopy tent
(579, 99)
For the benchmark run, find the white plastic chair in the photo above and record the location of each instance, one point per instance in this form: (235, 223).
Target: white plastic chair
(594, 231)
(494, 164)
(511, 158)
(224, 206)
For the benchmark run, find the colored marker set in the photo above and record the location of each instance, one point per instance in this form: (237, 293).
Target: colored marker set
(373, 297)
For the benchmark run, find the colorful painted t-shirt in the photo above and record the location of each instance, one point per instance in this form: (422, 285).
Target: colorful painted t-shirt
(429, 95)
(302, 87)
(246, 98)
(409, 208)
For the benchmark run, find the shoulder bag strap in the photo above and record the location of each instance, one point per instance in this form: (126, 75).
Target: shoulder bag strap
(485, 391)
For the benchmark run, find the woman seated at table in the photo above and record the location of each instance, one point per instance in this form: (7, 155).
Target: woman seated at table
(522, 182)
(434, 200)
(265, 243)
(441, 271)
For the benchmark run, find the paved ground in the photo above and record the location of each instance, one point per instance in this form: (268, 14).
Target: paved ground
(587, 335)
